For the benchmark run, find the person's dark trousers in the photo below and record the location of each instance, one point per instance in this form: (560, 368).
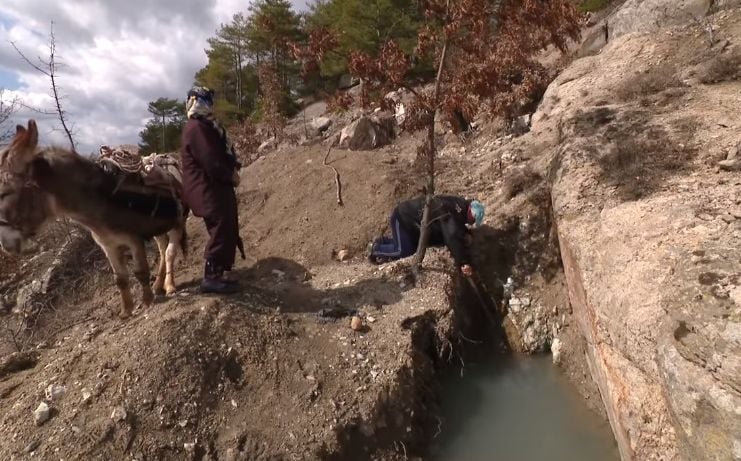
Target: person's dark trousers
(402, 244)
(220, 252)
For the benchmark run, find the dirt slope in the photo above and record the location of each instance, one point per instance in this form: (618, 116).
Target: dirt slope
(259, 375)
(267, 374)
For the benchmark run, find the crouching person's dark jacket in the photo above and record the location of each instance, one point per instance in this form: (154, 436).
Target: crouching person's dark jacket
(448, 218)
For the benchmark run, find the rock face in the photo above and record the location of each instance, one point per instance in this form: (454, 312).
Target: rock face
(368, 132)
(643, 15)
(649, 240)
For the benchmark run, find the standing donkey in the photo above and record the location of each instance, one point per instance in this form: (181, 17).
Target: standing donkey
(37, 185)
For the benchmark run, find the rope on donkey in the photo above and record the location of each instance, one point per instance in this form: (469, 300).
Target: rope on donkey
(124, 160)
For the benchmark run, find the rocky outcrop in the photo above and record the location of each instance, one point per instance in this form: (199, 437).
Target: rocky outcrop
(647, 15)
(649, 237)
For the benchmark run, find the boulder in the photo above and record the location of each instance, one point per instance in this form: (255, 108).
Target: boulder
(368, 132)
(321, 124)
(730, 165)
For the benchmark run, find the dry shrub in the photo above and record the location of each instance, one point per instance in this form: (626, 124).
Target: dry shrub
(339, 102)
(721, 68)
(644, 157)
(649, 82)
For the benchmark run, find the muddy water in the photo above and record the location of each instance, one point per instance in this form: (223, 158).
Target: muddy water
(518, 409)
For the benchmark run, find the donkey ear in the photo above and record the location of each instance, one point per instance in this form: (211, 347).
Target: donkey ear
(33, 133)
(23, 147)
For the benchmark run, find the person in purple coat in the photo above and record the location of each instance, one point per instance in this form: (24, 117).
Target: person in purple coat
(210, 172)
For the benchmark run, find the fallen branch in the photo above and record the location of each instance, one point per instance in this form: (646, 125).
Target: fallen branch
(337, 181)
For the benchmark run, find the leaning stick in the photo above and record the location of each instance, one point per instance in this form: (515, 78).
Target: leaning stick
(337, 181)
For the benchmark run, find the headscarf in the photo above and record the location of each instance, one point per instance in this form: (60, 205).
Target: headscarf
(477, 211)
(200, 104)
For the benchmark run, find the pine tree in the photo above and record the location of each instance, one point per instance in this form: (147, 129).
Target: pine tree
(162, 132)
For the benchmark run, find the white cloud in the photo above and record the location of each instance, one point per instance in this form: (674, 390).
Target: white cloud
(116, 56)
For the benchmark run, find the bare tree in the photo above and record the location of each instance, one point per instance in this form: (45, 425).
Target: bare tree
(8, 107)
(50, 68)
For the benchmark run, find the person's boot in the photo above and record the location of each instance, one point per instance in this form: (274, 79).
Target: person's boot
(228, 278)
(213, 281)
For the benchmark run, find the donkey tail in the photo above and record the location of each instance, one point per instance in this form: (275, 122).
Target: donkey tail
(184, 236)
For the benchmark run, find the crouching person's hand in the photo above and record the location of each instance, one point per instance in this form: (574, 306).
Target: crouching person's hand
(467, 270)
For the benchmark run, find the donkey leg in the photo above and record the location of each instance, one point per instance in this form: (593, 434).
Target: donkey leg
(141, 271)
(171, 253)
(115, 254)
(159, 280)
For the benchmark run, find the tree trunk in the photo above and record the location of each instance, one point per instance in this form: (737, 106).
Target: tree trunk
(163, 133)
(257, 59)
(431, 151)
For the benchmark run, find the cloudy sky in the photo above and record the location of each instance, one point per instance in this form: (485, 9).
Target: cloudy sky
(117, 55)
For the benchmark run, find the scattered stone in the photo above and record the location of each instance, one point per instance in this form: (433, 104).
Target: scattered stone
(31, 447)
(705, 217)
(42, 414)
(370, 319)
(233, 454)
(735, 295)
(118, 414)
(733, 152)
(268, 145)
(556, 346)
(355, 323)
(736, 213)
(728, 218)
(343, 255)
(55, 392)
(516, 305)
(189, 447)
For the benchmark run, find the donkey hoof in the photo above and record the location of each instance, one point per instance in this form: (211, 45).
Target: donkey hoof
(147, 300)
(159, 291)
(124, 314)
(170, 291)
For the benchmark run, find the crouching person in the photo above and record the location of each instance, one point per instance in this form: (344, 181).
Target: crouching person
(210, 172)
(450, 218)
